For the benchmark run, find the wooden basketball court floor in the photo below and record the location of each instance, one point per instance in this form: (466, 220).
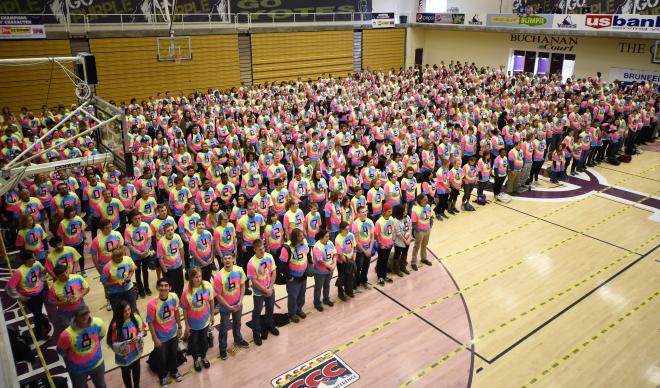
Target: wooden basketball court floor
(550, 293)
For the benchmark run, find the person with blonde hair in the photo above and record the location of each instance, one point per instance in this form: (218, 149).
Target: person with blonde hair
(197, 303)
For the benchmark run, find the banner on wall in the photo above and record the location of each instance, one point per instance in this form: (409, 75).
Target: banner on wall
(441, 18)
(151, 11)
(631, 75)
(382, 20)
(568, 22)
(21, 27)
(647, 7)
(475, 20)
(512, 20)
(639, 23)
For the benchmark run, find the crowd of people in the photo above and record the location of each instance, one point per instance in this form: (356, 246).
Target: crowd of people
(236, 191)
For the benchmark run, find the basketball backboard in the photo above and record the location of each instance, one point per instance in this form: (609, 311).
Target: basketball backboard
(113, 136)
(174, 49)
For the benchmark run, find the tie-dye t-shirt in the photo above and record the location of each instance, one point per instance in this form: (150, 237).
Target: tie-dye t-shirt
(196, 303)
(228, 284)
(162, 314)
(82, 347)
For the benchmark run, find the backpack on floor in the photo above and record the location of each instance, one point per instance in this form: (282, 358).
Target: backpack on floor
(20, 347)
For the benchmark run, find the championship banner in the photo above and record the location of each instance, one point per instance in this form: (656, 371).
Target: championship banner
(516, 21)
(631, 75)
(382, 20)
(22, 27)
(441, 18)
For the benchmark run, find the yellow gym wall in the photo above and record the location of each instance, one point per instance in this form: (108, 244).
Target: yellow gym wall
(492, 49)
(283, 56)
(383, 49)
(128, 67)
(35, 85)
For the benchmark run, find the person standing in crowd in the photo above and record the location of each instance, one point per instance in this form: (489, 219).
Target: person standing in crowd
(500, 169)
(261, 272)
(229, 288)
(384, 235)
(126, 339)
(363, 229)
(66, 293)
(345, 246)
(323, 257)
(249, 227)
(60, 254)
(80, 345)
(72, 232)
(402, 240)
(197, 303)
(169, 253)
(137, 236)
(117, 279)
(294, 258)
(165, 329)
(27, 284)
(201, 250)
(421, 219)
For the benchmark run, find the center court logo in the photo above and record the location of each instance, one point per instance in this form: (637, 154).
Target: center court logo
(326, 370)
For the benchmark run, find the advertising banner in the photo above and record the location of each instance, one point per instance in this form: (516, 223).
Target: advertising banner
(645, 7)
(441, 18)
(516, 21)
(638, 23)
(475, 20)
(22, 27)
(382, 20)
(631, 75)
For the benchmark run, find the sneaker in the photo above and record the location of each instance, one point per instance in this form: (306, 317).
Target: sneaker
(294, 318)
(177, 376)
(163, 382)
(319, 308)
(302, 315)
(108, 307)
(257, 339)
(388, 279)
(342, 297)
(142, 294)
(223, 354)
(264, 335)
(206, 362)
(426, 261)
(198, 365)
(414, 267)
(368, 286)
(243, 344)
(329, 303)
(148, 292)
(381, 281)
(83, 274)
(358, 291)
(274, 331)
(405, 270)
(351, 295)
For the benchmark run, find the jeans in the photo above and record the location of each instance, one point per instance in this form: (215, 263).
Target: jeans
(175, 277)
(131, 370)
(322, 283)
(259, 302)
(97, 375)
(166, 358)
(295, 290)
(35, 304)
(129, 296)
(198, 343)
(235, 326)
(363, 263)
(381, 263)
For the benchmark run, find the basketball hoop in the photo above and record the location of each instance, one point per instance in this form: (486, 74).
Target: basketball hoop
(176, 57)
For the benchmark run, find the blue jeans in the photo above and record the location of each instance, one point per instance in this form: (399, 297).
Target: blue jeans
(322, 283)
(259, 302)
(97, 375)
(296, 295)
(235, 326)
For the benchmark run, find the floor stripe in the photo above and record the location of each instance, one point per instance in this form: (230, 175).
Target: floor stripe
(591, 339)
(422, 373)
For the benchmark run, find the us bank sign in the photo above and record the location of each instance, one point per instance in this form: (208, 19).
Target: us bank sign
(548, 42)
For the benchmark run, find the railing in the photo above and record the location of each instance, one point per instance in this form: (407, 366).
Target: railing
(88, 22)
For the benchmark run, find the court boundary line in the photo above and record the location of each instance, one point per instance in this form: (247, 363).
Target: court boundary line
(570, 306)
(629, 173)
(567, 228)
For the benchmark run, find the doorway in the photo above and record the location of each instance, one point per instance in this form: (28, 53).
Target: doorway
(419, 53)
(541, 63)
